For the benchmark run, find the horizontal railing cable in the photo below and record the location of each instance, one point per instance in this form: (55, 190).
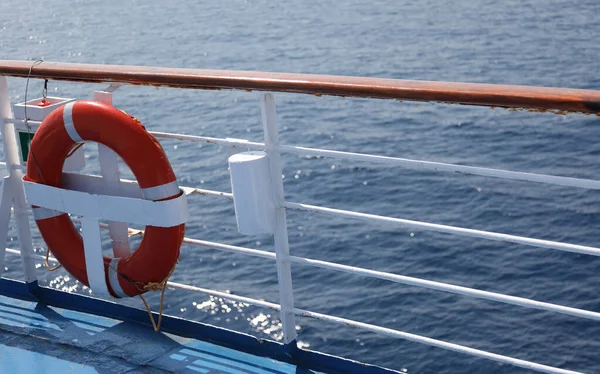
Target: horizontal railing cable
(439, 286)
(384, 331)
(230, 248)
(423, 283)
(209, 140)
(35, 255)
(439, 166)
(184, 137)
(390, 276)
(447, 229)
(213, 245)
(394, 161)
(418, 282)
(201, 191)
(225, 295)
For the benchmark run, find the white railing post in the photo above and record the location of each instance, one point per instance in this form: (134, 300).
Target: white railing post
(282, 249)
(14, 184)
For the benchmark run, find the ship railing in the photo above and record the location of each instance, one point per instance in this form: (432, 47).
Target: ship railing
(533, 98)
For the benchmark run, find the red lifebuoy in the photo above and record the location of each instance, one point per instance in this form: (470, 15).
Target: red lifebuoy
(82, 121)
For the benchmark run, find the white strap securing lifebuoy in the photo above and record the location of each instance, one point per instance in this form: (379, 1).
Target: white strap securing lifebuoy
(165, 213)
(113, 277)
(94, 260)
(160, 192)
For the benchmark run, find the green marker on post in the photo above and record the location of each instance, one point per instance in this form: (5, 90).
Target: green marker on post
(24, 141)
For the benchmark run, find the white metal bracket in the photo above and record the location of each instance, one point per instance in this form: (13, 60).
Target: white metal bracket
(12, 190)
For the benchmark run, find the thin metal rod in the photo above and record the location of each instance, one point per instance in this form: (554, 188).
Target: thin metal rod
(418, 282)
(200, 191)
(439, 286)
(230, 248)
(225, 295)
(394, 161)
(170, 135)
(33, 255)
(6, 210)
(208, 140)
(399, 222)
(16, 184)
(439, 166)
(282, 246)
(17, 121)
(414, 224)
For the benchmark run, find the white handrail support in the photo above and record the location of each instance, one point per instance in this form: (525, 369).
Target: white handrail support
(13, 186)
(5, 212)
(282, 249)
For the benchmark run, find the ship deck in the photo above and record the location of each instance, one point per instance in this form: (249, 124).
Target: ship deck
(40, 338)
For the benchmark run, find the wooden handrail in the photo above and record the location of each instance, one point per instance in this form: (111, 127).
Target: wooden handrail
(538, 98)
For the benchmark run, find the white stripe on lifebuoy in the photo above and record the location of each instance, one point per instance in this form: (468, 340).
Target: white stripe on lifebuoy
(69, 125)
(161, 192)
(113, 277)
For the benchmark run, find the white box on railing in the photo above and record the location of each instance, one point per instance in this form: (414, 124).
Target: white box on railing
(36, 111)
(252, 196)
